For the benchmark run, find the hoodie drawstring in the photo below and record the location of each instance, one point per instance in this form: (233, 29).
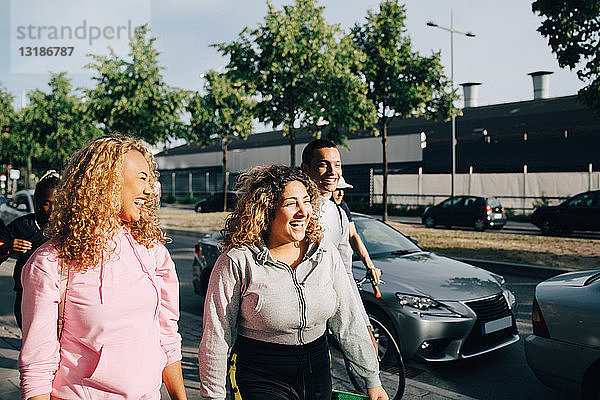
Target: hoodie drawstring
(101, 278)
(152, 278)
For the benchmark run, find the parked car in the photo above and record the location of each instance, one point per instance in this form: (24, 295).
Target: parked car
(476, 211)
(20, 204)
(564, 349)
(580, 212)
(437, 308)
(215, 202)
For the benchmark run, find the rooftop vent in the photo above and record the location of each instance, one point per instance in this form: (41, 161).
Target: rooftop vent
(541, 84)
(471, 93)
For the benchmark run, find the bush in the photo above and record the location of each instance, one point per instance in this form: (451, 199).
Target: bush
(169, 199)
(393, 209)
(540, 202)
(187, 200)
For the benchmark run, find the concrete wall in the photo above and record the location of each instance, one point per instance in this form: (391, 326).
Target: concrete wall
(401, 148)
(519, 191)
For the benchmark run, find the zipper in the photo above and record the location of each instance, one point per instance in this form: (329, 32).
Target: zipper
(302, 301)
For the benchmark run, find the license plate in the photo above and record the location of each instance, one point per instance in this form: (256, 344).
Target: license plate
(497, 216)
(497, 325)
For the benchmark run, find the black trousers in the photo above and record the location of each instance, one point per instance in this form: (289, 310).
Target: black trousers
(270, 371)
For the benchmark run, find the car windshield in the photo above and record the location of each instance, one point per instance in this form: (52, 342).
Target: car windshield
(380, 238)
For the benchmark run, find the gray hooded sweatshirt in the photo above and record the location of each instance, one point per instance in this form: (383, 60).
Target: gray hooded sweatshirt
(266, 300)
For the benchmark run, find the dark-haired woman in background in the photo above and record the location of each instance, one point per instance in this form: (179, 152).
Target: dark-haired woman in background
(25, 234)
(280, 288)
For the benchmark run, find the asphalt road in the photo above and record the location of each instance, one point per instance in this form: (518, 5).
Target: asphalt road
(501, 375)
(513, 227)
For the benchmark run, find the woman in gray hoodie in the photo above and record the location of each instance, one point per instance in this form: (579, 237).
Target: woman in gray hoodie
(273, 293)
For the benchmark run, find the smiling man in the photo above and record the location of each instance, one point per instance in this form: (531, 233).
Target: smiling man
(321, 161)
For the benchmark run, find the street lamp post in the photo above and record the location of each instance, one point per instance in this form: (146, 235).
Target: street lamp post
(452, 32)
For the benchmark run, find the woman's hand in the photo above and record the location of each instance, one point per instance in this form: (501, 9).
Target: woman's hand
(21, 245)
(40, 397)
(173, 379)
(377, 393)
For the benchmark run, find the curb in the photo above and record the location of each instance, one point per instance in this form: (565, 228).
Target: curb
(498, 267)
(528, 270)
(184, 232)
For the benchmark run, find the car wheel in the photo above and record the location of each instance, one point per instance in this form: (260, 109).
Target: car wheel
(198, 208)
(430, 221)
(480, 224)
(590, 385)
(548, 227)
(391, 364)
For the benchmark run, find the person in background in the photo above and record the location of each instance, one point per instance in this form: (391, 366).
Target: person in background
(355, 241)
(321, 161)
(4, 242)
(26, 233)
(279, 286)
(107, 268)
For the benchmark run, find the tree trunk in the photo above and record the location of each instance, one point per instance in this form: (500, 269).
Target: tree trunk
(385, 167)
(224, 147)
(28, 176)
(292, 139)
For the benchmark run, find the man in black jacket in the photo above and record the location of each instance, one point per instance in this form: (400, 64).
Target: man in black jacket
(25, 234)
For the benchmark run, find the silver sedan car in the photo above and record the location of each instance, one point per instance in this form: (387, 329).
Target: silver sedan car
(564, 350)
(433, 308)
(437, 308)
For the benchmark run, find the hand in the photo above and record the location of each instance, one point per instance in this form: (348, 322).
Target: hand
(376, 274)
(377, 393)
(374, 341)
(21, 245)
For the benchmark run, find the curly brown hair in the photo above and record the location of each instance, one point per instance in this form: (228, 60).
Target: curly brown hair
(88, 203)
(261, 189)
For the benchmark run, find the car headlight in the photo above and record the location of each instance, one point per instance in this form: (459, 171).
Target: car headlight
(419, 302)
(424, 305)
(510, 297)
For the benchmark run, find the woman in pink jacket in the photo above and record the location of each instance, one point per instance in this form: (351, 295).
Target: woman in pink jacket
(121, 304)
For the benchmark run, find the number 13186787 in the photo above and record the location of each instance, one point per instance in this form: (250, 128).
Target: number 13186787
(54, 51)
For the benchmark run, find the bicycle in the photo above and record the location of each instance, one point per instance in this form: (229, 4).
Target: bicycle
(391, 365)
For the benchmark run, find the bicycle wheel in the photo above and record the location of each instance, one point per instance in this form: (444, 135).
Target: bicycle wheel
(391, 365)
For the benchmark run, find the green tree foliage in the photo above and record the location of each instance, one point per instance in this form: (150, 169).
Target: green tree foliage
(223, 114)
(8, 118)
(572, 29)
(131, 95)
(401, 82)
(303, 72)
(54, 124)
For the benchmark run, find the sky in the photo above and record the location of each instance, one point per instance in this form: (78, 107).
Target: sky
(505, 49)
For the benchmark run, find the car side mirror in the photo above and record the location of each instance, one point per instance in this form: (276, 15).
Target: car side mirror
(412, 239)
(22, 207)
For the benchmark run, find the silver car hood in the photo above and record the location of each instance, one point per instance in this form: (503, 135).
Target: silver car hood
(438, 277)
(570, 306)
(576, 279)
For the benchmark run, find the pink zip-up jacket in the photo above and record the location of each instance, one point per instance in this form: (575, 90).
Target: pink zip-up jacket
(120, 324)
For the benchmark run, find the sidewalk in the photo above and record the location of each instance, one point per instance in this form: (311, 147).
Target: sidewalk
(190, 328)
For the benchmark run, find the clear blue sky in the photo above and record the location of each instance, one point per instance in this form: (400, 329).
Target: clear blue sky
(506, 47)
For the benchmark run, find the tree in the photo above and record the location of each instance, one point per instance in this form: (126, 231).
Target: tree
(571, 28)
(223, 114)
(401, 82)
(8, 117)
(302, 69)
(54, 124)
(131, 95)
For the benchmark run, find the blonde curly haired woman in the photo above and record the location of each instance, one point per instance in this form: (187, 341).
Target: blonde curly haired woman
(119, 338)
(279, 287)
